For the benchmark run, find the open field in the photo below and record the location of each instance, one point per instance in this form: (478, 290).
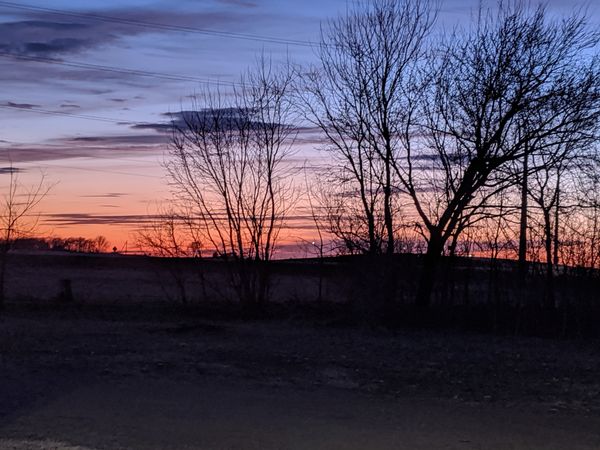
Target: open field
(117, 279)
(469, 294)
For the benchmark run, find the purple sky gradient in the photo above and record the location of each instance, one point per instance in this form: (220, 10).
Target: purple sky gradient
(77, 123)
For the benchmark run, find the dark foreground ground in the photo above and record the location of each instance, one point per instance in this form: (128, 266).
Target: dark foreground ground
(139, 378)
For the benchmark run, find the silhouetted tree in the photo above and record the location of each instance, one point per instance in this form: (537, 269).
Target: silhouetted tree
(228, 166)
(79, 244)
(17, 218)
(171, 234)
(484, 82)
(362, 96)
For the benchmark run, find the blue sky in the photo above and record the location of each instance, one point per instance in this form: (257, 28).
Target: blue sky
(76, 123)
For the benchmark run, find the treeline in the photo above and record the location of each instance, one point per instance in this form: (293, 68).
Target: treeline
(482, 142)
(98, 244)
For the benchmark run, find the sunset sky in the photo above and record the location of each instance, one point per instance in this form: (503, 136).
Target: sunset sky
(87, 87)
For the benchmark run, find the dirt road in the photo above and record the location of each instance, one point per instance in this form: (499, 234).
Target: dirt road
(162, 414)
(93, 381)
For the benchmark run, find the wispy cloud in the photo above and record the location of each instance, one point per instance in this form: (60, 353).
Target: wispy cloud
(205, 118)
(69, 219)
(107, 195)
(84, 147)
(159, 127)
(46, 34)
(21, 105)
(116, 141)
(242, 3)
(9, 170)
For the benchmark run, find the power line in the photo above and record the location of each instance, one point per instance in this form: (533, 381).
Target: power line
(91, 169)
(64, 154)
(88, 117)
(45, 164)
(68, 114)
(91, 117)
(81, 116)
(112, 69)
(161, 26)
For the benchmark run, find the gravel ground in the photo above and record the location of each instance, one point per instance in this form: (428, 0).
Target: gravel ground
(67, 374)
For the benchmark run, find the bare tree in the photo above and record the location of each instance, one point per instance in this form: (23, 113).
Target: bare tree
(17, 218)
(79, 244)
(172, 234)
(544, 189)
(495, 240)
(485, 82)
(228, 167)
(355, 230)
(169, 233)
(552, 160)
(101, 244)
(361, 96)
(321, 245)
(582, 247)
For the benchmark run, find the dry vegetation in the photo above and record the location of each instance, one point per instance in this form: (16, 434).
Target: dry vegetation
(120, 324)
(73, 373)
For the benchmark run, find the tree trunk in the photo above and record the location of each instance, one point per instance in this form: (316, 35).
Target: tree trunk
(2, 278)
(390, 284)
(388, 216)
(556, 220)
(549, 297)
(522, 265)
(3, 265)
(263, 283)
(429, 271)
(389, 225)
(373, 245)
